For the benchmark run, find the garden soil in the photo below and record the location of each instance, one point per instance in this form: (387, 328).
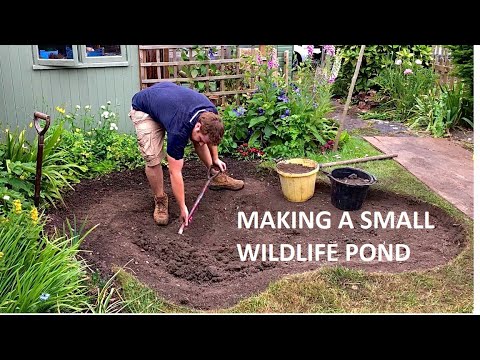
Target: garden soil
(201, 269)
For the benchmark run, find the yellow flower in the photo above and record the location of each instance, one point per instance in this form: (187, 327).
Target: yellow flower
(34, 214)
(1, 254)
(60, 110)
(17, 206)
(30, 125)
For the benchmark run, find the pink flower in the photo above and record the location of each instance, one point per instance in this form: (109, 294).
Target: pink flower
(407, 71)
(329, 50)
(310, 50)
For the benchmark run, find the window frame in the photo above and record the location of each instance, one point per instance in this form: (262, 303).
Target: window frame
(55, 62)
(80, 59)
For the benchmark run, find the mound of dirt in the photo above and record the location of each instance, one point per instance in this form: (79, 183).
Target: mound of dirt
(202, 268)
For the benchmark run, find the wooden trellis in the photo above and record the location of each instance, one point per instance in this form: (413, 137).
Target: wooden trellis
(442, 65)
(180, 64)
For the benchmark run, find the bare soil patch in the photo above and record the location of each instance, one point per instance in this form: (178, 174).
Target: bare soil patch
(202, 268)
(294, 168)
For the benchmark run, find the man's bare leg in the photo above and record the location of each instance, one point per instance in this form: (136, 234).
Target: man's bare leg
(155, 179)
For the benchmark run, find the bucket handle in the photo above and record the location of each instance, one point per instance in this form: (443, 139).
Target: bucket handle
(331, 176)
(327, 173)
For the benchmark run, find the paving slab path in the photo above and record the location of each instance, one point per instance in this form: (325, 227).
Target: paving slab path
(442, 165)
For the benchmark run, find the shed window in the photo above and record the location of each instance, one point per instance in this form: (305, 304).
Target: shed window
(57, 56)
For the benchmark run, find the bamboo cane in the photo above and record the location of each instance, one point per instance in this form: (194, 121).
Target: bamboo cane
(349, 98)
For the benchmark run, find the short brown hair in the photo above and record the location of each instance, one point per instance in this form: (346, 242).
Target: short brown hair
(211, 126)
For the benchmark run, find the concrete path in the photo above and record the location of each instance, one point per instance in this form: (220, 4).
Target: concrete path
(443, 166)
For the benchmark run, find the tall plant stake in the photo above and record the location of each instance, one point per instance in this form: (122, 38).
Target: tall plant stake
(349, 98)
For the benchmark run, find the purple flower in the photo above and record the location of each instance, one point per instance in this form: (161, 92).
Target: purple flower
(329, 50)
(407, 71)
(261, 111)
(211, 55)
(283, 98)
(310, 50)
(297, 90)
(331, 80)
(284, 115)
(240, 111)
(44, 296)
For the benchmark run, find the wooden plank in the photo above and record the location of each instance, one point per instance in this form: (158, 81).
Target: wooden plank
(228, 92)
(190, 57)
(222, 70)
(202, 78)
(175, 67)
(207, 82)
(192, 62)
(237, 67)
(143, 71)
(158, 58)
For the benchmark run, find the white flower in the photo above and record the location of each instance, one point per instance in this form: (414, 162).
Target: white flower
(6, 197)
(87, 107)
(68, 116)
(103, 107)
(105, 114)
(109, 102)
(77, 107)
(418, 62)
(113, 126)
(398, 62)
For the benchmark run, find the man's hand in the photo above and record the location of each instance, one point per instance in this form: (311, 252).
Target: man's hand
(184, 214)
(220, 164)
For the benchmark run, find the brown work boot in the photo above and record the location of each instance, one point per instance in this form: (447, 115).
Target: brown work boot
(223, 181)
(160, 214)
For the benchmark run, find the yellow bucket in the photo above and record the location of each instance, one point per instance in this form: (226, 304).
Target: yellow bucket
(298, 187)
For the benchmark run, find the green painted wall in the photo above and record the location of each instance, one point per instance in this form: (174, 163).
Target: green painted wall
(24, 90)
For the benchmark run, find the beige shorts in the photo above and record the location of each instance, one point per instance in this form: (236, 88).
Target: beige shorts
(150, 136)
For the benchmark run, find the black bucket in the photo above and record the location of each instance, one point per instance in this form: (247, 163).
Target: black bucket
(349, 196)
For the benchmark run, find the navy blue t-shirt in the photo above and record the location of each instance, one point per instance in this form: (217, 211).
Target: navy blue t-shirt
(177, 108)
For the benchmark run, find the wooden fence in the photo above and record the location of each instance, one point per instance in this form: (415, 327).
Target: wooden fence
(442, 65)
(215, 70)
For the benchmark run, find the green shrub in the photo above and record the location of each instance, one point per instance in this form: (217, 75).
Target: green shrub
(375, 58)
(279, 119)
(462, 58)
(439, 110)
(401, 83)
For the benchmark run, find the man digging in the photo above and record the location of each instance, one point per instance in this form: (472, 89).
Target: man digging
(183, 114)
